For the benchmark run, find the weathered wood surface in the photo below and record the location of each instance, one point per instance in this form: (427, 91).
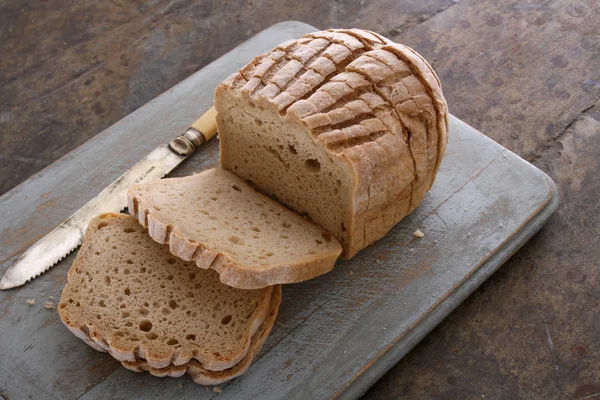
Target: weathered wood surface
(523, 72)
(336, 334)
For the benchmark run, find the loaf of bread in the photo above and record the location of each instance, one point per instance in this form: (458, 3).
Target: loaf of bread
(129, 296)
(201, 375)
(343, 126)
(218, 221)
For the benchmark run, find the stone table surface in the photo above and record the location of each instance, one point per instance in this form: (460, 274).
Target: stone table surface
(525, 73)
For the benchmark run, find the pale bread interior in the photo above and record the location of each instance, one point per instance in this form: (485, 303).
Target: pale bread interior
(291, 168)
(219, 221)
(201, 375)
(133, 298)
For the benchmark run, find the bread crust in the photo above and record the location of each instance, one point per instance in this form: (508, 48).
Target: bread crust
(373, 105)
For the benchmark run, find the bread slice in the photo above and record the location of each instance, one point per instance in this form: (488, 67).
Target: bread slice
(342, 125)
(203, 376)
(218, 221)
(129, 296)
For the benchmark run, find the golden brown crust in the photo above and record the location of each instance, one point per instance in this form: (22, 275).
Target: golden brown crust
(372, 103)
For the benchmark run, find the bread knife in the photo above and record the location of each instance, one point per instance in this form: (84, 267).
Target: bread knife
(67, 236)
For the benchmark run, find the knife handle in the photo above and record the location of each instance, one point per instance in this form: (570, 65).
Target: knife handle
(197, 134)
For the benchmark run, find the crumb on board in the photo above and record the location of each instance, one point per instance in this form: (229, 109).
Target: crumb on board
(48, 305)
(30, 301)
(217, 389)
(180, 386)
(280, 324)
(418, 234)
(51, 297)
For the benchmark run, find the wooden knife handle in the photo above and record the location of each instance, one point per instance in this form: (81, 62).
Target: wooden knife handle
(207, 123)
(199, 133)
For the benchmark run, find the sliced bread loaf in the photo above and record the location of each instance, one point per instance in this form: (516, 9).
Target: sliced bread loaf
(203, 376)
(129, 296)
(218, 221)
(342, 125)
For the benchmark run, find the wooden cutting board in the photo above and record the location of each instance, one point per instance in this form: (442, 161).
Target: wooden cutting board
(337, 334)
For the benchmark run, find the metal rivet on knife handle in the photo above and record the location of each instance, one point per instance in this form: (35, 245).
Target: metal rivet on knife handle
(200, 132)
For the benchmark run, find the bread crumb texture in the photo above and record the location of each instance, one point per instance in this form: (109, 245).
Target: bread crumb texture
(201, 375)
(342, 125)
(216, 220)
(129, 296)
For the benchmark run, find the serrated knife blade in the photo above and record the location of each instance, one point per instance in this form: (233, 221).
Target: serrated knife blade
(66, 237)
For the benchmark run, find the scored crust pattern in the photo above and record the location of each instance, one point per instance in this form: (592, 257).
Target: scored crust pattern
(375, 104)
